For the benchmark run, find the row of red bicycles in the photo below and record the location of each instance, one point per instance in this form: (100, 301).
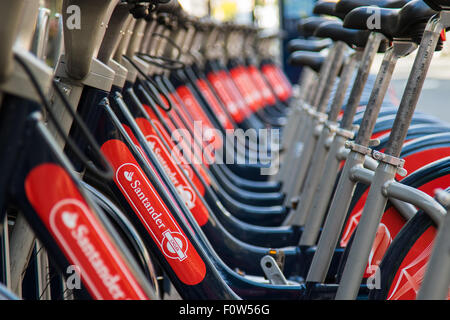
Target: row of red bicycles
(150, 154)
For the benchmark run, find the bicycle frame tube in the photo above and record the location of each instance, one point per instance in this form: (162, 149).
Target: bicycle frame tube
(310, 146)
(386, 171)
(38, 154)
(300, 159)
(321, 155)
(115, 134)
(437, 278)
(341, 200)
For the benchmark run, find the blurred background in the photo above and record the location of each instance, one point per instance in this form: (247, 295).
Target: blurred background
(268, 14)
(284, 15)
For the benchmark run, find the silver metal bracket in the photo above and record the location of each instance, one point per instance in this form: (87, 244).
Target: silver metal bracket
(333, 127)
(329, 141)
(19, 83)
(320, 116)
(358, 148)
(345, 133)
(393, 161)
(120, 73)
(100, 76)
(342, 153)
(272, 271)
(377, 155)
(306, 108)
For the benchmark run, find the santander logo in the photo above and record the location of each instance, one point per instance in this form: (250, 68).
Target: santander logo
(65, 218)
(181, 185)
(154, 215)
(69, 219)
(172, 242)
(187, 195)
(128, 175)
(82, 238)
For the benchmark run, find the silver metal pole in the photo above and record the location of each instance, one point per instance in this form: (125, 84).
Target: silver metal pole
(346, 186)
(40, 40)
(386, 171)
(318, 191)
(436, 282)
(4, 241)
(43, 276)
(21, 247)
(320, 155)
(298, 179)
(305, 133)
(294, 116)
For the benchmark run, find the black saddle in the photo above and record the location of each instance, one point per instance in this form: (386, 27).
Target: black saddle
(335, 31)
(408, 22)
(308, 45)
(345, 6)
(438, 5)
(314, 60)
(308, 26)
(323, 7)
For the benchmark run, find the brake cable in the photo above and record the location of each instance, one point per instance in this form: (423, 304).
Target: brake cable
(177, 47)
(147, 57)
(105, 174)
(171, 42)
(152, 86)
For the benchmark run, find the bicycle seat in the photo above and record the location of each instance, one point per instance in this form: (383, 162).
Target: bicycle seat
(335, 31)
(323, 7)
(407, 22)
(308, 45)
(314, 60)
(438, 5)
(345, 6)
(308, 26)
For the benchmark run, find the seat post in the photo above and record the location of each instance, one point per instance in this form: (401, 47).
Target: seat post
(325, 74)
(317, 137)
(399, 49)
(10, 15)
(371, 50)
(389, 163)
(298, 180)
(299, 216)
(323, 190)
(341, 49)
(295, 114)
(342, 197)
(301, 159)
(297, 121)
